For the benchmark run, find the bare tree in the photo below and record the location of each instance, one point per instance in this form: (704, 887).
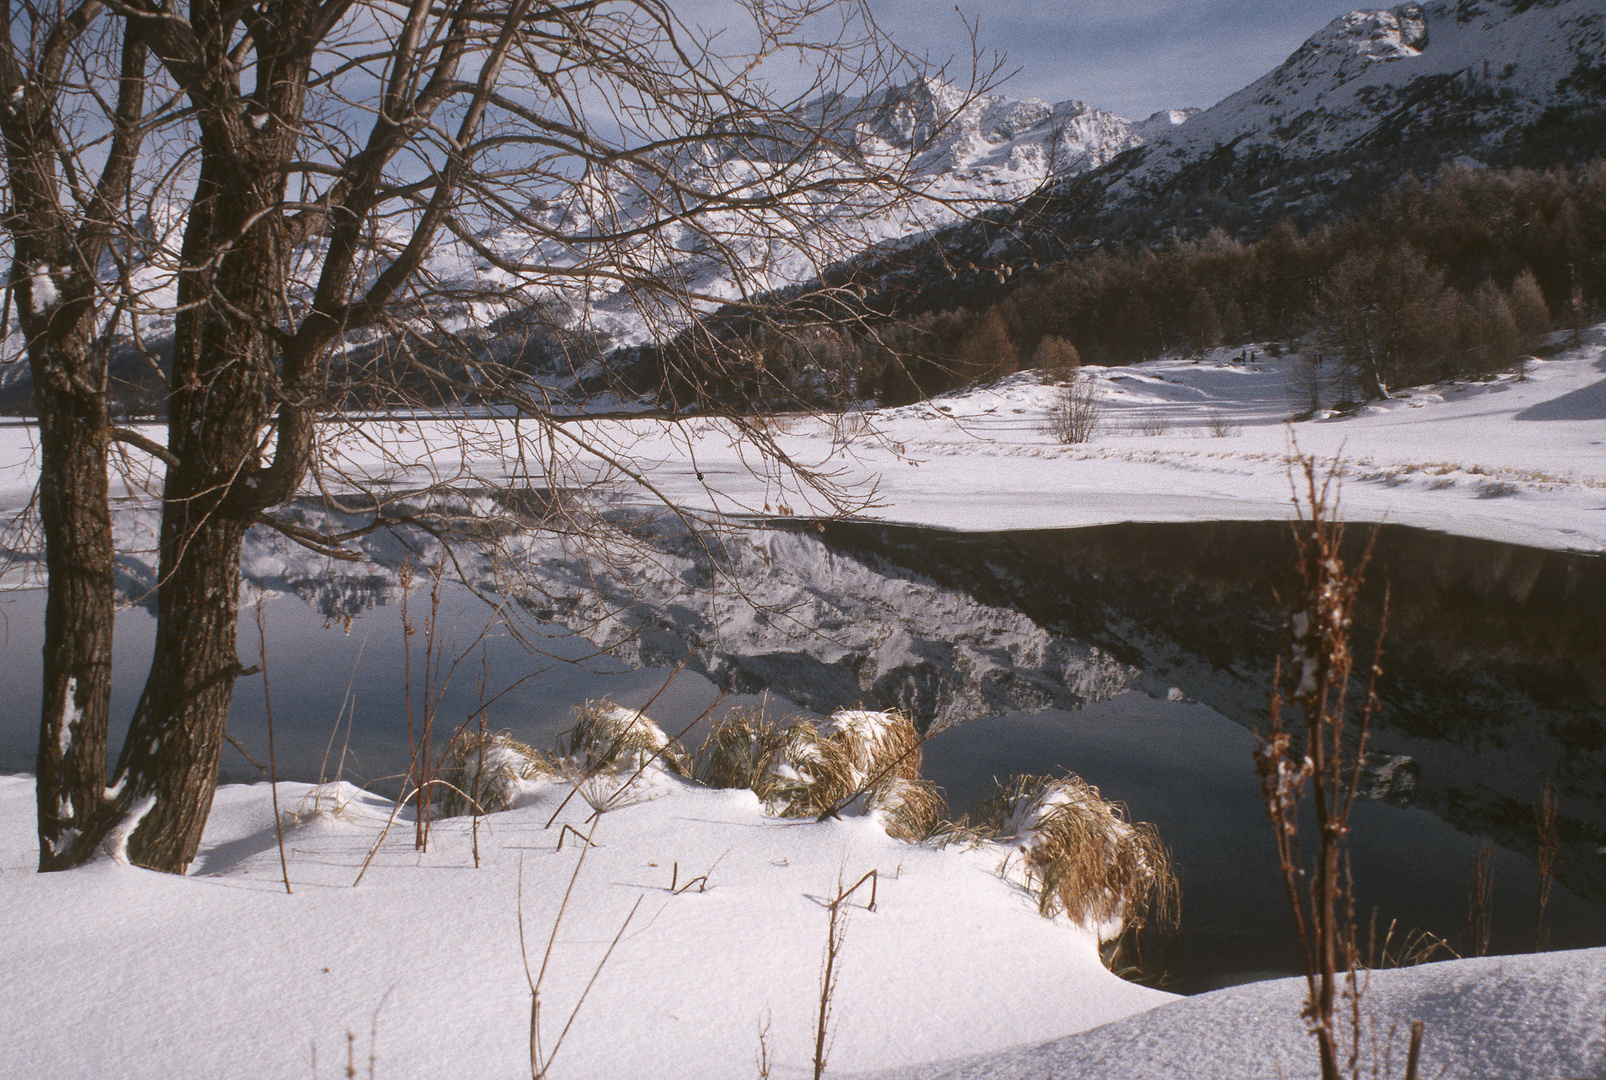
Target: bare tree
(1383, 311)
(1075, 409)
(332, 204)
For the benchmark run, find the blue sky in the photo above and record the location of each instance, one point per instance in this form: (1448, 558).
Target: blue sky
(1129, 56)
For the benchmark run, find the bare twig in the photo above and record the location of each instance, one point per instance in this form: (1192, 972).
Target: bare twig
(835, 927)
(541, 1062)
(273, 769)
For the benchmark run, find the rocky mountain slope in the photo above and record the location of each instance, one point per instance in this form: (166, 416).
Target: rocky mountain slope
(961, 153)
(1375, 95)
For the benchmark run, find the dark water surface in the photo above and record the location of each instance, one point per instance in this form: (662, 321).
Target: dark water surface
(533, 684)
(1494, 687)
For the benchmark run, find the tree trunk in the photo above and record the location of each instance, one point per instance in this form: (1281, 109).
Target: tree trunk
(79, 608)
(223, 367)
(176, 739)
(57, 244)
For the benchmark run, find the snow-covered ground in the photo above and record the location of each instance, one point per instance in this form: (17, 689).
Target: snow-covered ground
(1520, 460)
(223, 974)
(116, 971)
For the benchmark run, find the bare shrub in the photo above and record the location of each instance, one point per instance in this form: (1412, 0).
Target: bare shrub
(1219, 426)
(1152, 425)
(1075, 411)
(1080, 856)
(1306, 384)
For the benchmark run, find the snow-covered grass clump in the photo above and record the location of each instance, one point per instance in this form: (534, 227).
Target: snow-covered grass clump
(610, 736)
(484, 772)
(1076, 853)
(1059, 840)
(857, 755)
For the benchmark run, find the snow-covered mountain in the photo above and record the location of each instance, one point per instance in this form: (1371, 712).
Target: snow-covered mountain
(958, 153)
(1009, 185)
(1480, 78)
(1376, 94)
(961, 154)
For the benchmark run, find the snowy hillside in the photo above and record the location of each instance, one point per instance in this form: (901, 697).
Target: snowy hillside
(1374, 96)
(1481, 73)
(972, 153)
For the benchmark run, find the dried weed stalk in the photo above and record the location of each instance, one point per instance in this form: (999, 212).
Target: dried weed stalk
(1324, 753)
(1480, 902)
(1545, 821)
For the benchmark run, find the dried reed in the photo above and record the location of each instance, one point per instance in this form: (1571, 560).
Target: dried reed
(610, 736)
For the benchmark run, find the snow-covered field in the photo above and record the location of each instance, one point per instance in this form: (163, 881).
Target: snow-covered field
(1517, 460)
(113, 971)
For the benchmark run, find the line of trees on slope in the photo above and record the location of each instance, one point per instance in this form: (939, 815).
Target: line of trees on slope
(1455, 277)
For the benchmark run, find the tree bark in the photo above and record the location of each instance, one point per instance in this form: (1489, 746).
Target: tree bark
(79, 610)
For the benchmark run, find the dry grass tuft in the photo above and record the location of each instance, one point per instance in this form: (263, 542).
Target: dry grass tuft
(812, 772)
(486, 770)
(857, 752)
(739, 751)
(806, 769)
(610, 736)
(1079, 855)
(912, 810)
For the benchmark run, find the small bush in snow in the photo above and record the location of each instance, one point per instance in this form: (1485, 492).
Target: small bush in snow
(487, 771)
(1220, 427)
(1075, 411)
(1078, 854)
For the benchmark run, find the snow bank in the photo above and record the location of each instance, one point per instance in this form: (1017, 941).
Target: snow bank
(115, 971)
(1516, 1017)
